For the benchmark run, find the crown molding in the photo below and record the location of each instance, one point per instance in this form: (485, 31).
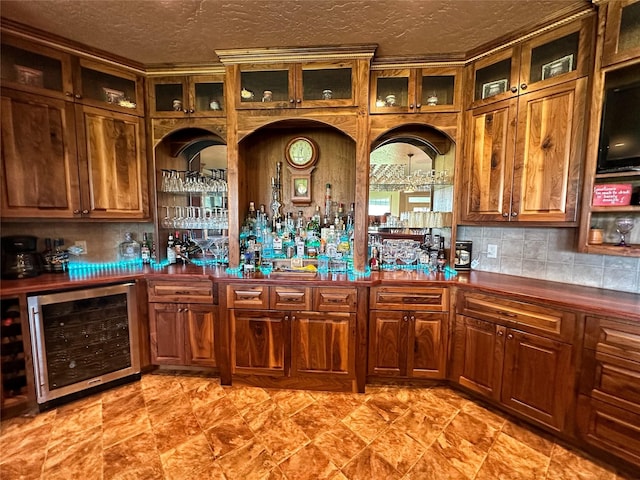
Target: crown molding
(296, 54)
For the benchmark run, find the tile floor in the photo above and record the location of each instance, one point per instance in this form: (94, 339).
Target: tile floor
(171, 426)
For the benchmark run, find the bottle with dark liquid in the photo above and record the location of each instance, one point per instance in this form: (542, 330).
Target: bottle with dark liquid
(442, 256)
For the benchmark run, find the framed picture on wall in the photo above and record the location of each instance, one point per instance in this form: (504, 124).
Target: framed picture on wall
(301, 188)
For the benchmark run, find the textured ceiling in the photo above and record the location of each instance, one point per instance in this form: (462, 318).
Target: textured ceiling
(188, 31)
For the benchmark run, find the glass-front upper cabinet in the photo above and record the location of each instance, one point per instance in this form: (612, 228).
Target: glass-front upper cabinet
(35, 68)
(180, 96)
(297, 85)
(415, 90)
(106, 87)
(557, 56)
(622, 32)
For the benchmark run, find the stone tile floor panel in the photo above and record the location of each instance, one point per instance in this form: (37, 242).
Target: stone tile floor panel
(177, 426)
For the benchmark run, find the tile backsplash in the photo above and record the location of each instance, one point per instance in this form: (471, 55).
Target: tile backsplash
(545, 253)
(549, 254)
(102, 239)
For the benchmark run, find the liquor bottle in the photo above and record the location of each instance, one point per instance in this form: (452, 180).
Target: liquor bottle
(145, 249)
(350, 217)
(327, 201)
(171, 252)
(129, 249)
(46, 255)
(314, 223)
(300, 224)
(251, 218)
(374, 261)
(442, 256)
(338, 220)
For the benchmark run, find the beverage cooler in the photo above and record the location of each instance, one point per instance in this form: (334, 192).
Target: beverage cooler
(83, 339)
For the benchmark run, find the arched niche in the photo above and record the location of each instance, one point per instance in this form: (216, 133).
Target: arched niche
(411, 169)
(260, 152)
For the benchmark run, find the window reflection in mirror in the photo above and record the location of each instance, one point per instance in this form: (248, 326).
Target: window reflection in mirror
(399, 174)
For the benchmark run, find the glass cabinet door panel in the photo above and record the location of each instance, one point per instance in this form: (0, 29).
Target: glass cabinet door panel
(209, 96)
(437, 90)
(166, 94)
(254, 84)
(31, 69)
(493, 79)
(392, 92)
(326, 84)
(106, 88)
(629, 37)
(557, 57)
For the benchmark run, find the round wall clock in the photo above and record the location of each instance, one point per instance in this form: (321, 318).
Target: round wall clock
(301, 152)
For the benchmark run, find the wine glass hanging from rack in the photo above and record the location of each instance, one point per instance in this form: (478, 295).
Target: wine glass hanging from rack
(188, 181)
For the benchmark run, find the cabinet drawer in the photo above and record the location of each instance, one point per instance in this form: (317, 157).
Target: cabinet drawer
(248, 296)
(613, 429)
(526, 316)
(611, 379)
(290, 298)
(410, 298)
(183, 292)
(335, 299)
(608, 335)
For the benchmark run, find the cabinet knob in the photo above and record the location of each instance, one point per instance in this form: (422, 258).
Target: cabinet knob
(85, 212)
(76, 212)
(291, 100)
(191, 110)
(514, 89)
(405, 318)
(500, 333)
(412, 318)
(299, 100)
(419, 105)
(505, 214)
(68, 94)
(510, 336)
(286, 317)
(523, 86)
(77, 95)
(514, 214)
(411, 106)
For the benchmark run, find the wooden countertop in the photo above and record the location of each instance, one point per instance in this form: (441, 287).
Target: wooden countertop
(595, 300)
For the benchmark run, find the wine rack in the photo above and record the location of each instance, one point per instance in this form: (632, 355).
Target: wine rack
(12, 355)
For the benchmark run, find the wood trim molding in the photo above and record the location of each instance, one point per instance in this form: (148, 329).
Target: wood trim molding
(295, 54)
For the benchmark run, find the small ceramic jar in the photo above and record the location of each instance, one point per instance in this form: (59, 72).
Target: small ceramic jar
(391, 100)
(267, 96)
(327, 94)
(177, 105)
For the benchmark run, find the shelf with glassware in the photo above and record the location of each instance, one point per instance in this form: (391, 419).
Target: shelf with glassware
(415, 238)
(195, 203)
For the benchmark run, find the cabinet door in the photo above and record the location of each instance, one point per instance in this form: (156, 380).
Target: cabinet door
(478, 355)
(39, 160)
(114, 163)
(490, 147)
(325, 84)
(548, 152)
(393, 91)
(323, 343)
(258, 342)
(166, 328)
(168, 97)
(199, 320)
(538, 379)
(427, 345)
(388, 334)
(622, 32)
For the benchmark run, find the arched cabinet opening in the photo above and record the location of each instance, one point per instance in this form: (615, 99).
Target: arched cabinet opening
(295, 179)
(410, 197)
(192, 197)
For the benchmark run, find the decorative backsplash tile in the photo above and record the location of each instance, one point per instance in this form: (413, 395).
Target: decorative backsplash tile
(549, 254)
